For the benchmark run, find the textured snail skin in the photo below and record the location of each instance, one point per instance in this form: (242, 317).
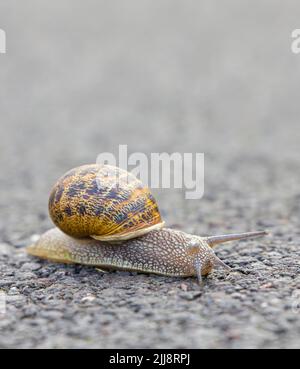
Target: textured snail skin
(104, 202)
(166, 252)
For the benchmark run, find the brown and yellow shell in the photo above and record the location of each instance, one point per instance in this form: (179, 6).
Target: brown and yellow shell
(103, 202)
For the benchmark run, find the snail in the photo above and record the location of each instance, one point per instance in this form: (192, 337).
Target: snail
(105, 217)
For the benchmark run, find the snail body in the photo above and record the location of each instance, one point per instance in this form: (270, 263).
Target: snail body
(165, 251)
(117, 225)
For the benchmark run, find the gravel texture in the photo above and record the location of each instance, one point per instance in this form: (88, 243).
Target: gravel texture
(79, 79)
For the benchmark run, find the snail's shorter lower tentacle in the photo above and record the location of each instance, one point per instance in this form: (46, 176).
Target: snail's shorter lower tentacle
(219, 262)
(198, 269)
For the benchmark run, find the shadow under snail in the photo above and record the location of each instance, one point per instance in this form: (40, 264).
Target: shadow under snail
(105, 217)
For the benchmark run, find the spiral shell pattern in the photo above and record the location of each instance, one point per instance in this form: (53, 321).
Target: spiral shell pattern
(103, 202)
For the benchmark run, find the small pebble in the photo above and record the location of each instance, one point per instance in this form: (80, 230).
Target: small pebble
(31, 266)
(88, 298)
(34, 238)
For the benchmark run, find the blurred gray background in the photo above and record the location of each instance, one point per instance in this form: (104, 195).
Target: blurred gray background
(80, 78)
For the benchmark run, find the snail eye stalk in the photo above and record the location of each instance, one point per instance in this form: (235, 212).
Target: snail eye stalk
(215, 240)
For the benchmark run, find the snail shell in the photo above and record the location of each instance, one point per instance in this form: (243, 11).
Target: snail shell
(103, 202)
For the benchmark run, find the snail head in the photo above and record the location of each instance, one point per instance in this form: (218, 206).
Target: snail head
(204, 258)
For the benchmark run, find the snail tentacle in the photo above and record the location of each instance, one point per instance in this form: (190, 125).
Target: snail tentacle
(215, 240)
(198, 269)
(219, 262)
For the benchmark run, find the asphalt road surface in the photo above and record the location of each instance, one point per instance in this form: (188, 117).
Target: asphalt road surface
(80, 78)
